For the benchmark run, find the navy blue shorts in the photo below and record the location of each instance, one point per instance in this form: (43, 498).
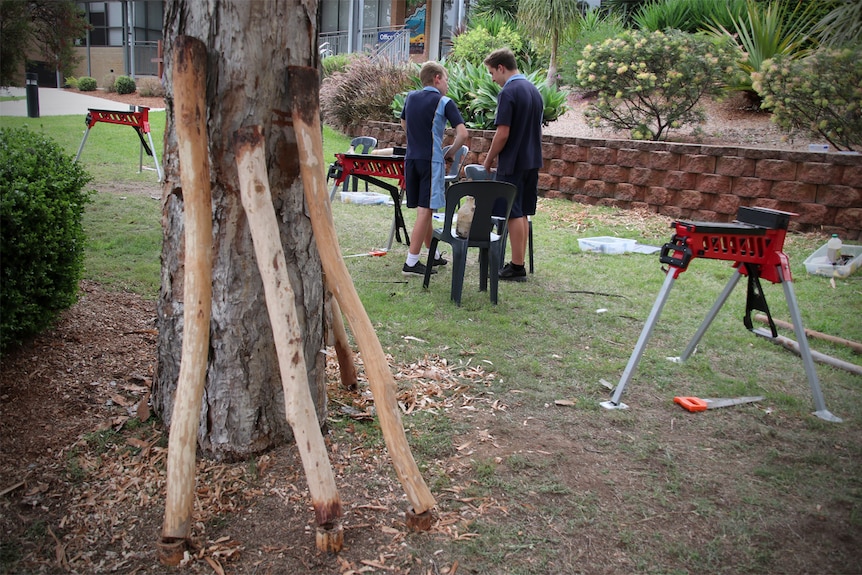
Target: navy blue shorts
(417, 182)
(527, 182)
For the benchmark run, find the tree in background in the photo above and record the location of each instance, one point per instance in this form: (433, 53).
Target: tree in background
(14, 34)
(49, 26)
(56, 26)
(551, 20)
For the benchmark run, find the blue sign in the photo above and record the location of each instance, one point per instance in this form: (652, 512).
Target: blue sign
(386, 36)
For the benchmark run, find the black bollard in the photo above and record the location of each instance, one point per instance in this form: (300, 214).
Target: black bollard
(32, 95)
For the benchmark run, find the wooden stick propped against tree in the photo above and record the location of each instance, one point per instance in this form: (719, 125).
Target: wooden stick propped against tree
(303, 90)
(189, 80)
(346, 365)
(280, 303)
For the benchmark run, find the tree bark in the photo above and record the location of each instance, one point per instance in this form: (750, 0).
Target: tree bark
(249, 48)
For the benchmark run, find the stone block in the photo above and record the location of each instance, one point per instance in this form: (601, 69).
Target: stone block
(793, 192)
(734, 166)
(698, 163)
(819, 173)
(713, 183)
(676, 180)
(664, 161)
(839, 196)
(776, 170)
(750, 187)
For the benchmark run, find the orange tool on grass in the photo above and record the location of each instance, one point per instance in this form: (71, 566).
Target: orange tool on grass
(375, 253)
(698, 404)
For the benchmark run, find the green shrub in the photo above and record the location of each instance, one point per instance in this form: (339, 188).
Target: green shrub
(150, 87)
(125, 85)
(86, 84)
(475, 93)
(363, 92)
(821, 94)
(109, 82)
(42, 201)
(473, 45)
(332, 64)
(649, 83)
(70, 82)
(687, 15)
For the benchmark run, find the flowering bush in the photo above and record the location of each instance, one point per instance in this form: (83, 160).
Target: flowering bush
(649, 83)
(821, 94)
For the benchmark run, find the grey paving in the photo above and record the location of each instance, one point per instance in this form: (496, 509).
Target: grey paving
(55, 102)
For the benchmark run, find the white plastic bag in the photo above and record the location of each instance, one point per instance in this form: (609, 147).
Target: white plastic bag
(465, 217)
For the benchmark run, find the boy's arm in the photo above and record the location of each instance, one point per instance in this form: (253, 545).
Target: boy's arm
(501, 136)
(460, 138)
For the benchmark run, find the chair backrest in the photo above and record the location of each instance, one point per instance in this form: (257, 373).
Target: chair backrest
(493, 201)
(363, 144)
(476, 172)
(459, 156)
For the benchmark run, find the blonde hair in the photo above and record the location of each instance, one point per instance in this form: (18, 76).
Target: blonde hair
(429, 71)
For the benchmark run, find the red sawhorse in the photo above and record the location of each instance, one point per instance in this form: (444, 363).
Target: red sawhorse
(371, 168)
(139, 120)
(754, 243)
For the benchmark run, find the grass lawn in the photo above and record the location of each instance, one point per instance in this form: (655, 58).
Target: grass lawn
(537, 477)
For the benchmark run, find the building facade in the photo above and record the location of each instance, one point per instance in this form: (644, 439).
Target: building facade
(126, 35)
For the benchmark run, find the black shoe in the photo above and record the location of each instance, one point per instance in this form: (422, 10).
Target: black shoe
(415, 270)
(513, 273)
(439, 262)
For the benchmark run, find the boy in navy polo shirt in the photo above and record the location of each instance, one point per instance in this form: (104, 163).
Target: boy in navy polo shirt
(424, 118)
(517, 147)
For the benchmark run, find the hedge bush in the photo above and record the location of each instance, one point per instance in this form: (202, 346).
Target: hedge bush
(42, 202)
(821, 94)
(148, 87)
(86, 84)
(109, 82)
(125, 85)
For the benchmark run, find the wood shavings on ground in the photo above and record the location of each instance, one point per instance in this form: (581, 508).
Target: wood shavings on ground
(101, 497)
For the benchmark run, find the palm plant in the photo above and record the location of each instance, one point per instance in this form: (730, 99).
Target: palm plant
(841, 26)
(508, 9)
(762, 32)
(550, 20)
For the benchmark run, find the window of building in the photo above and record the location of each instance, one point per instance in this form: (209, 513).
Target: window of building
(335, 15)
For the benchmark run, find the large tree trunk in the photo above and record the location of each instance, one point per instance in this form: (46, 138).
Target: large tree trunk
(250, 46)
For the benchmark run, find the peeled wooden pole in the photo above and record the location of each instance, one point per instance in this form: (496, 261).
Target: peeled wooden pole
(189, 78)
(281, 306)
(303, 91)
(346, 365)
(854, 345)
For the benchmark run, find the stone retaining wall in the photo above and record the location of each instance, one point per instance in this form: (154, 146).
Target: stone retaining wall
(690, 181)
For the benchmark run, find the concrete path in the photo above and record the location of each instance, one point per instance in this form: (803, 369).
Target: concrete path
(56, 102)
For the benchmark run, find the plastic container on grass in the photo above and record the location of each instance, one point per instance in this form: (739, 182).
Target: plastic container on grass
(365, 198)
(818, 263)
(606, 245)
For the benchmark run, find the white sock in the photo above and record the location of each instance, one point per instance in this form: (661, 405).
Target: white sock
(438, 255)
(412, 259)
